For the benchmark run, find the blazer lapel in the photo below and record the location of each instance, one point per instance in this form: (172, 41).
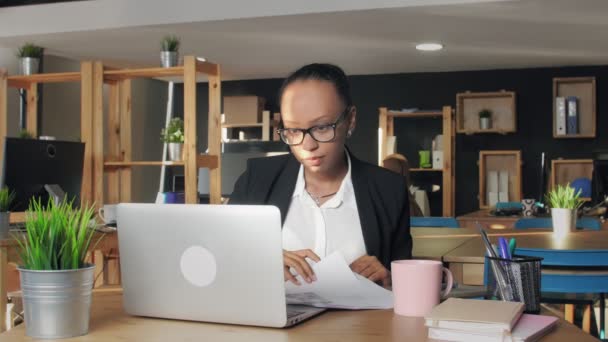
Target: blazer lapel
(365, 207)
(283, 187)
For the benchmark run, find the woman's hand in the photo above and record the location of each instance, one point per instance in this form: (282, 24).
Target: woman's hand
(371, 268)
(297, 261)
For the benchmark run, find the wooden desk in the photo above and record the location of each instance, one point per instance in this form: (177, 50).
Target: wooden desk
(466, 261)
(108, 244)
(486, 220)
(110, 323)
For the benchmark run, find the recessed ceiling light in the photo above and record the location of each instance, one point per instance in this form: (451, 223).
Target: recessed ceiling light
(429, 47)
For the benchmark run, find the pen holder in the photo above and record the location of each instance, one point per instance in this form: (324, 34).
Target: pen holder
(518, 281)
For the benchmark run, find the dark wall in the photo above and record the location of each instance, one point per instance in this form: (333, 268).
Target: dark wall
(534, 90)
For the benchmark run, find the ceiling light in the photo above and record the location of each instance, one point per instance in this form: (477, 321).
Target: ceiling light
(429, 47)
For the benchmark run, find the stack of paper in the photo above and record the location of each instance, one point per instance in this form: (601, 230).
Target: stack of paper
(484, 320)
(338, 287)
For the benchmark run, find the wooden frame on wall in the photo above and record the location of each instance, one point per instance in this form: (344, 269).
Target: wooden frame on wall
(500, 160)
(564, 171)
(501, 103)
(583, 88)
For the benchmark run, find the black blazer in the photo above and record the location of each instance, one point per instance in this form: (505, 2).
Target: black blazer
(381, 196)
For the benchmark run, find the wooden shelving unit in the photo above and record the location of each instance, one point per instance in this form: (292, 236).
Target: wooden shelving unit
(268, 126)
(564, 171)
(387, 128)
(117, 161)
(500, 161)
(501, 103)
(584, 88)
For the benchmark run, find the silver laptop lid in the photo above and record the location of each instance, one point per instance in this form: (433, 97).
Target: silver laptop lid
(213, 263)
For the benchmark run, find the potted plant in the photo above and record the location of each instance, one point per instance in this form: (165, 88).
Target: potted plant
(173, 136)
(169, 48)
(564, 203)
(485, 119)
(24, 134)
(30, 55)
(6, 199)
(56, 281)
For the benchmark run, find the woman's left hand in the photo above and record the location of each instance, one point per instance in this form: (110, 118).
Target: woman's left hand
(371, 268)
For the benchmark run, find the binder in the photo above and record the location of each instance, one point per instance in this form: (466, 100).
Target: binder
(560, 115)
(572, 120)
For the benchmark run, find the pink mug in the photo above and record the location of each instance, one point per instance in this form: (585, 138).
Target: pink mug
(417, 286)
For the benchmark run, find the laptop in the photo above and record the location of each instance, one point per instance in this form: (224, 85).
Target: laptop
(211, 263)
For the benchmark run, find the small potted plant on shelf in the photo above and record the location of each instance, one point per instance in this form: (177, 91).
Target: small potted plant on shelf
(173, 136)
(564, 203)
(56, 281)
(6, 199)
(485, 119)
(24, 134)
(29, 55)
(169, 54)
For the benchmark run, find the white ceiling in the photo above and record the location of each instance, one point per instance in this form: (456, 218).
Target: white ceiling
(476, 34)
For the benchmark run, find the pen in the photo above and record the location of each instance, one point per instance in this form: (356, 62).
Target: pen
(512, 246)
(503, 247)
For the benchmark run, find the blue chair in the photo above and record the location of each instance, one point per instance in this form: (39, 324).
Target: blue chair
(585, 223)
(437, 222)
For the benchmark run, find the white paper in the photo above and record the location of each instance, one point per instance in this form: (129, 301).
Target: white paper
(338, 287)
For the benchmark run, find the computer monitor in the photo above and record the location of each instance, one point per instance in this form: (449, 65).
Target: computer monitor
(37, 168)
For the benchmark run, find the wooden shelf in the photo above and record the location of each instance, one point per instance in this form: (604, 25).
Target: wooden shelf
(245, 125)
(425, 170)
(204, 160)
(22, 81)
(433, 114)
(564, 171)
(386, 128)
(142, 163)
(501, 103)
(123, 74)
(584, 89)
(509, 161)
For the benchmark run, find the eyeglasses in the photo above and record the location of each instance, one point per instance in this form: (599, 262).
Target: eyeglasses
(320, 133)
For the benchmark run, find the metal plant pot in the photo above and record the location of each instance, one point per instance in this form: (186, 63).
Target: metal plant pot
(485, 123)
(29, 65)
(4, 224)
(169, 59)
(175, 151)
(57, 304)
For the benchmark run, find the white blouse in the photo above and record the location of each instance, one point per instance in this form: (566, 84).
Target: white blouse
(334, 226)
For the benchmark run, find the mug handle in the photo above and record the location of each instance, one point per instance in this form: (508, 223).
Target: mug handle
(450, 282)
(101, 214)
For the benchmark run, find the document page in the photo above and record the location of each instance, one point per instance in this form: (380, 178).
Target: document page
(338, 287)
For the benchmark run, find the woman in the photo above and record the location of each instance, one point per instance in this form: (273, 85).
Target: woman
(329, 200)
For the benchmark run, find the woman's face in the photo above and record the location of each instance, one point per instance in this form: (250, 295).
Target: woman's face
(309, 103)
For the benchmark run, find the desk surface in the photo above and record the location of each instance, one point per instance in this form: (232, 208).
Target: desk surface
(110, 323)
(472, 251)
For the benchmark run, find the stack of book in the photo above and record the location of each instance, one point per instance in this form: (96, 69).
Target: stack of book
(485, 321)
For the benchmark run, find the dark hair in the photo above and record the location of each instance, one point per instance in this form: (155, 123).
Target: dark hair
(321, 72)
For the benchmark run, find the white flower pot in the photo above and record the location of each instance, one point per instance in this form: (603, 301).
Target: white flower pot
(564, 220)
(485, 123)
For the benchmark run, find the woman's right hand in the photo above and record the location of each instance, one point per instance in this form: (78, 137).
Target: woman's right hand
(297, 261)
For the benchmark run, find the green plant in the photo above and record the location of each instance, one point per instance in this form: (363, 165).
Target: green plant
(30, 50)
(174, 133)
(24, 134)
(170, 43)
(57, 238)
(485, 113)
(564, 197)
(6, 199)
